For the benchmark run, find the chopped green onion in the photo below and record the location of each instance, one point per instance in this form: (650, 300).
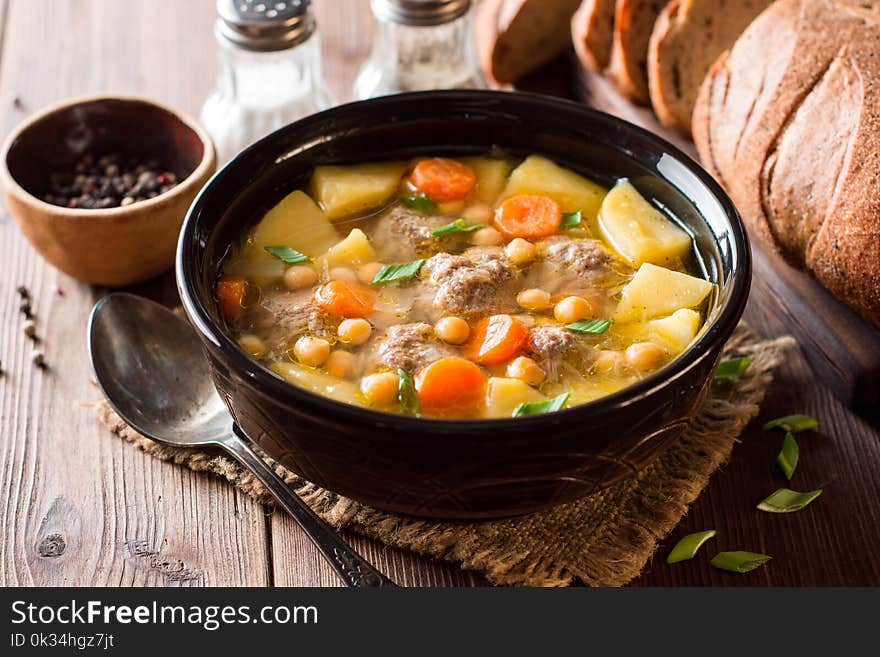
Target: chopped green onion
(419, 203)
(739, 562)
(546, 406)
(591, 326)
(406, 394)
(402, 271)
(785, 500)
(570, 219)
(793, 423)
(788, 456)
(457, 226)
(687, 547)
(288, 255)
(731, 370)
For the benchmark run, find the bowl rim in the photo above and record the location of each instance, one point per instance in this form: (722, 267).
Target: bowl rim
(195, 178)
(275, 387)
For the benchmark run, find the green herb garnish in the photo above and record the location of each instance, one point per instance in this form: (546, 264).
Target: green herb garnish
(402, 271)
(287, 255)
(739, 562)
(406, 394)
(785, 500)
(788, 456)
(793, 423)
(570, 219)
(731, 370)
(457, 226)
(591, 326)
(687, 547)
(546, 406)
(420, 203)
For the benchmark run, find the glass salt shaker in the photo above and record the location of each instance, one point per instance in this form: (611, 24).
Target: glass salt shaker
(269, 71)
(418, 45)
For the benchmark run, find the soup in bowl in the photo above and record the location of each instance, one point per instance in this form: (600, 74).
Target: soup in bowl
(463, 304)
(470, 287)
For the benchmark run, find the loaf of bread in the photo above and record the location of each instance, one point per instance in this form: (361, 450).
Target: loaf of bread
(788, 121)
(628, 67)
(592, 31)
(688, 37)
(515, 37)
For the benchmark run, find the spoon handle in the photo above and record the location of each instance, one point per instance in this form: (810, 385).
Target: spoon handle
(351, 567)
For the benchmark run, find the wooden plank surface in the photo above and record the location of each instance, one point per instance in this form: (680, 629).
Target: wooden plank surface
(126, 519)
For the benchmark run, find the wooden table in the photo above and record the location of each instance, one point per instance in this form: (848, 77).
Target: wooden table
(123, 518)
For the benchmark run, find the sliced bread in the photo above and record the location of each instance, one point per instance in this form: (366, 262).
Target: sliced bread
(515, 37)
(688, 37)
(628, 66)
(592, 31)
(788, 120)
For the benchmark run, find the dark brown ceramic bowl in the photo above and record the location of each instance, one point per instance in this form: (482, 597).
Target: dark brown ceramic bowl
(462, 468)
(112, 246)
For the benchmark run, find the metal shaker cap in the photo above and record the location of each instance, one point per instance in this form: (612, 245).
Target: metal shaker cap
(420, 13)
(265, 25)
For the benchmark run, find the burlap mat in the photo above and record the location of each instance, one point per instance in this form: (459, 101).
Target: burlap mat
(602, 540)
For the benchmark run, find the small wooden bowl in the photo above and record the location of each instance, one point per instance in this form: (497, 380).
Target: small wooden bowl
(114, 246)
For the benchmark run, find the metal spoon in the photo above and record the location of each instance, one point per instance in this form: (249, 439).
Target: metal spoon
(151, 367)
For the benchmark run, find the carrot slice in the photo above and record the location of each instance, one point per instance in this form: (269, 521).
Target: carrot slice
(496, 339)
(451, 386)
(528, 216)
(442, 179)
(345, 299)
(230, 296)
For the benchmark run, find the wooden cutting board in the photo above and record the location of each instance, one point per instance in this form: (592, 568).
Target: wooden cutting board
(842, 348)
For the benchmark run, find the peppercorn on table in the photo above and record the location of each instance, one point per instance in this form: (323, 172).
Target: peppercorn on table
(82, 508)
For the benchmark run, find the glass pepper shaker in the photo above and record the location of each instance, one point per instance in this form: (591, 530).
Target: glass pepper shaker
(418, 45)
(269, 71)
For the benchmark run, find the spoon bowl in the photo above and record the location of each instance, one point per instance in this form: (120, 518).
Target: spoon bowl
(152, 370)
(150, 365)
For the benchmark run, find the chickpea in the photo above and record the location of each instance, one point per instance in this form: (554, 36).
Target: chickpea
(311, 351)
(520, 252)
(487, 236)
(341, 364)
(450, 207)
(366, 273)
(380, 389)
(453, 330)
(644, 356)
(477, 213)
(534, 299)
(527, 370)
(573, 309)
(607, 361)
(354, 331)
(299, 276)
(343, 274)
(251, 344)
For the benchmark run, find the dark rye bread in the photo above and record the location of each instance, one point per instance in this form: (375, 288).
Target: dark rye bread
(628, 66)
(592, 31)
(789, 122)
(515, 37)
(688, 37)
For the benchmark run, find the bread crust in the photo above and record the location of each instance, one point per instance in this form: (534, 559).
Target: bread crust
(789, 121)
(628, 66)
(592, 28)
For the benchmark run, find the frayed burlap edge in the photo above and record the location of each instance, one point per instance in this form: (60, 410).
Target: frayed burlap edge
(603, 540)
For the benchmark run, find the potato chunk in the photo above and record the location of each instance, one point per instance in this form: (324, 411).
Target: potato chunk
(503, 395)
(638, 231)
(353, 250)
(656, 291)
(678, 330)
(491, 177)
(538, 175)
(343, 191)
